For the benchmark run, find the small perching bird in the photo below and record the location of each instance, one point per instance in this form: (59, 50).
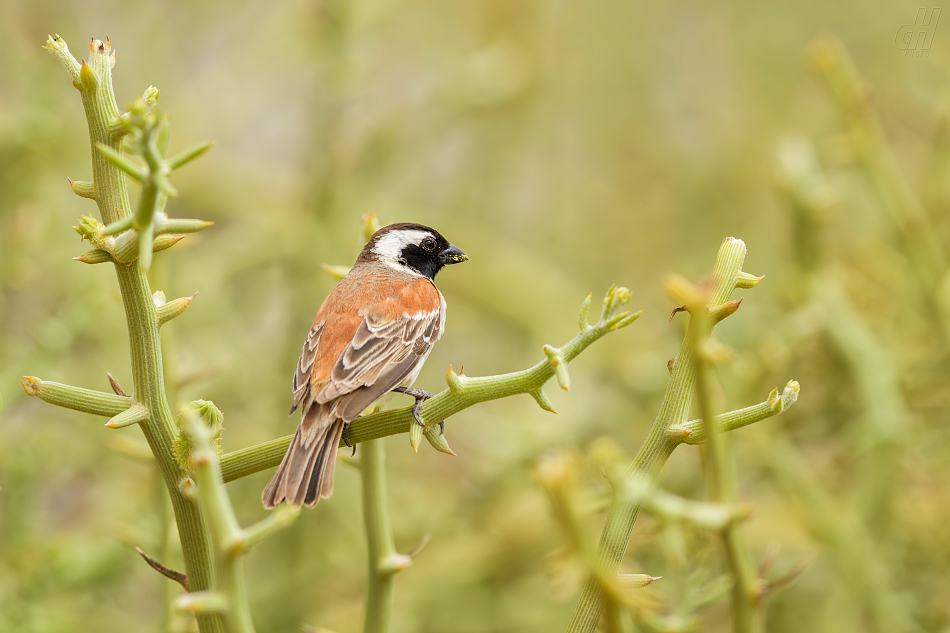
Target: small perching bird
(371, 337)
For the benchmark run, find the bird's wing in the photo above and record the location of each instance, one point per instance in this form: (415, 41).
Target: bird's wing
(355, 358)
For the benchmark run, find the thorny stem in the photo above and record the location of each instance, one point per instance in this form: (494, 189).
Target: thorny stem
(463, 392)
(747, 590)
(557, 473)
(658, 446)
(94, 82)
(230, 540)
(694, 431)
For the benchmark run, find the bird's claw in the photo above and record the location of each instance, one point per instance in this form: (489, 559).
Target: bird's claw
(421, 395)
(346, 432)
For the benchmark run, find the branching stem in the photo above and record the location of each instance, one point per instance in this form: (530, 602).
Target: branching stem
(747, 590)
(112, 198)
(463, 392)
(659, 445)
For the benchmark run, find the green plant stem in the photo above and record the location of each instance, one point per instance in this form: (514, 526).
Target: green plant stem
(216, 508)
(657, 447)
(463, 392)
(694, 431)
(112, 197)
(746, 590)
(704, 515)
(76, 398)
(379, 538)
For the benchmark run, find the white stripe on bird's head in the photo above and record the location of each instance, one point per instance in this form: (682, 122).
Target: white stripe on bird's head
(389, 247)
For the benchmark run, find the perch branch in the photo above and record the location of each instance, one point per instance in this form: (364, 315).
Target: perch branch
(463, 392)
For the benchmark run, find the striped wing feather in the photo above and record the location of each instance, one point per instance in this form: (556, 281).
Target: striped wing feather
(350, 359)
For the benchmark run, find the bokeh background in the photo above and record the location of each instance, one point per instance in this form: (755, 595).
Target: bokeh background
(564, 147)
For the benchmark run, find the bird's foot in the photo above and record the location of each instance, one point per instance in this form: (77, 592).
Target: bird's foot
(346, 432)
(421, 395)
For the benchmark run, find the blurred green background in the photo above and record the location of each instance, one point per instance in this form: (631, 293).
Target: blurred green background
(563, 146)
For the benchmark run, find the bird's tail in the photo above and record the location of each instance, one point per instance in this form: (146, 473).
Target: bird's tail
(306, 473)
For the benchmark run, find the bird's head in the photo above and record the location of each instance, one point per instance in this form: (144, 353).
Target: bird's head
(413, 248)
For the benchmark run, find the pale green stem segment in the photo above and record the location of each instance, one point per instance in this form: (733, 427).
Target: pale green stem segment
(705, 515)
(747, 588)
(228, 597)
(94, 82)
(76, 398)
(463, 392)
(658, 446)
(384, 561)
(694, 431)
(558, 473)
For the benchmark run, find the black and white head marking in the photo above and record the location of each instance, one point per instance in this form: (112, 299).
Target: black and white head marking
(412, 248)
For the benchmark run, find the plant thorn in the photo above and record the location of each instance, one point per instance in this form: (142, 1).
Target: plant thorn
(728, 308)
(115, 385)
(542, 399)
(94, 256)
(168, 572)
(82, 189)
(31, 385)
(746, 280)
(420, 546)
(455, 382)
(416, 431)
(582, 323)
(559, 366)
(87, 77)
(337, 272)
(437, 440)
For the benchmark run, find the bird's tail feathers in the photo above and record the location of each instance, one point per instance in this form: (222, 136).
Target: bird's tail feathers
(305, 475)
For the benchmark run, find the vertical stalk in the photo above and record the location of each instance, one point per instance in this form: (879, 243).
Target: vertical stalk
(746, 590)
(379, 537)
(94, 81)
(227, 531)
(657, 447)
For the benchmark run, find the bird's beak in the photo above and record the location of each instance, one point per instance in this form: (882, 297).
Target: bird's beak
(452, 255)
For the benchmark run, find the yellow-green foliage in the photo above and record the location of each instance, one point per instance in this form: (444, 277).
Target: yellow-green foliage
(563, 147)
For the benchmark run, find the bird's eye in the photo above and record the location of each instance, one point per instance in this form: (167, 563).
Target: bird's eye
(428, 244)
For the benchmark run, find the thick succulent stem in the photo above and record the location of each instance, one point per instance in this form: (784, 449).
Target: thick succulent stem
(94, 81)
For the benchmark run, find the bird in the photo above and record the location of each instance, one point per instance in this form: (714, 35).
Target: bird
(370, 338)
